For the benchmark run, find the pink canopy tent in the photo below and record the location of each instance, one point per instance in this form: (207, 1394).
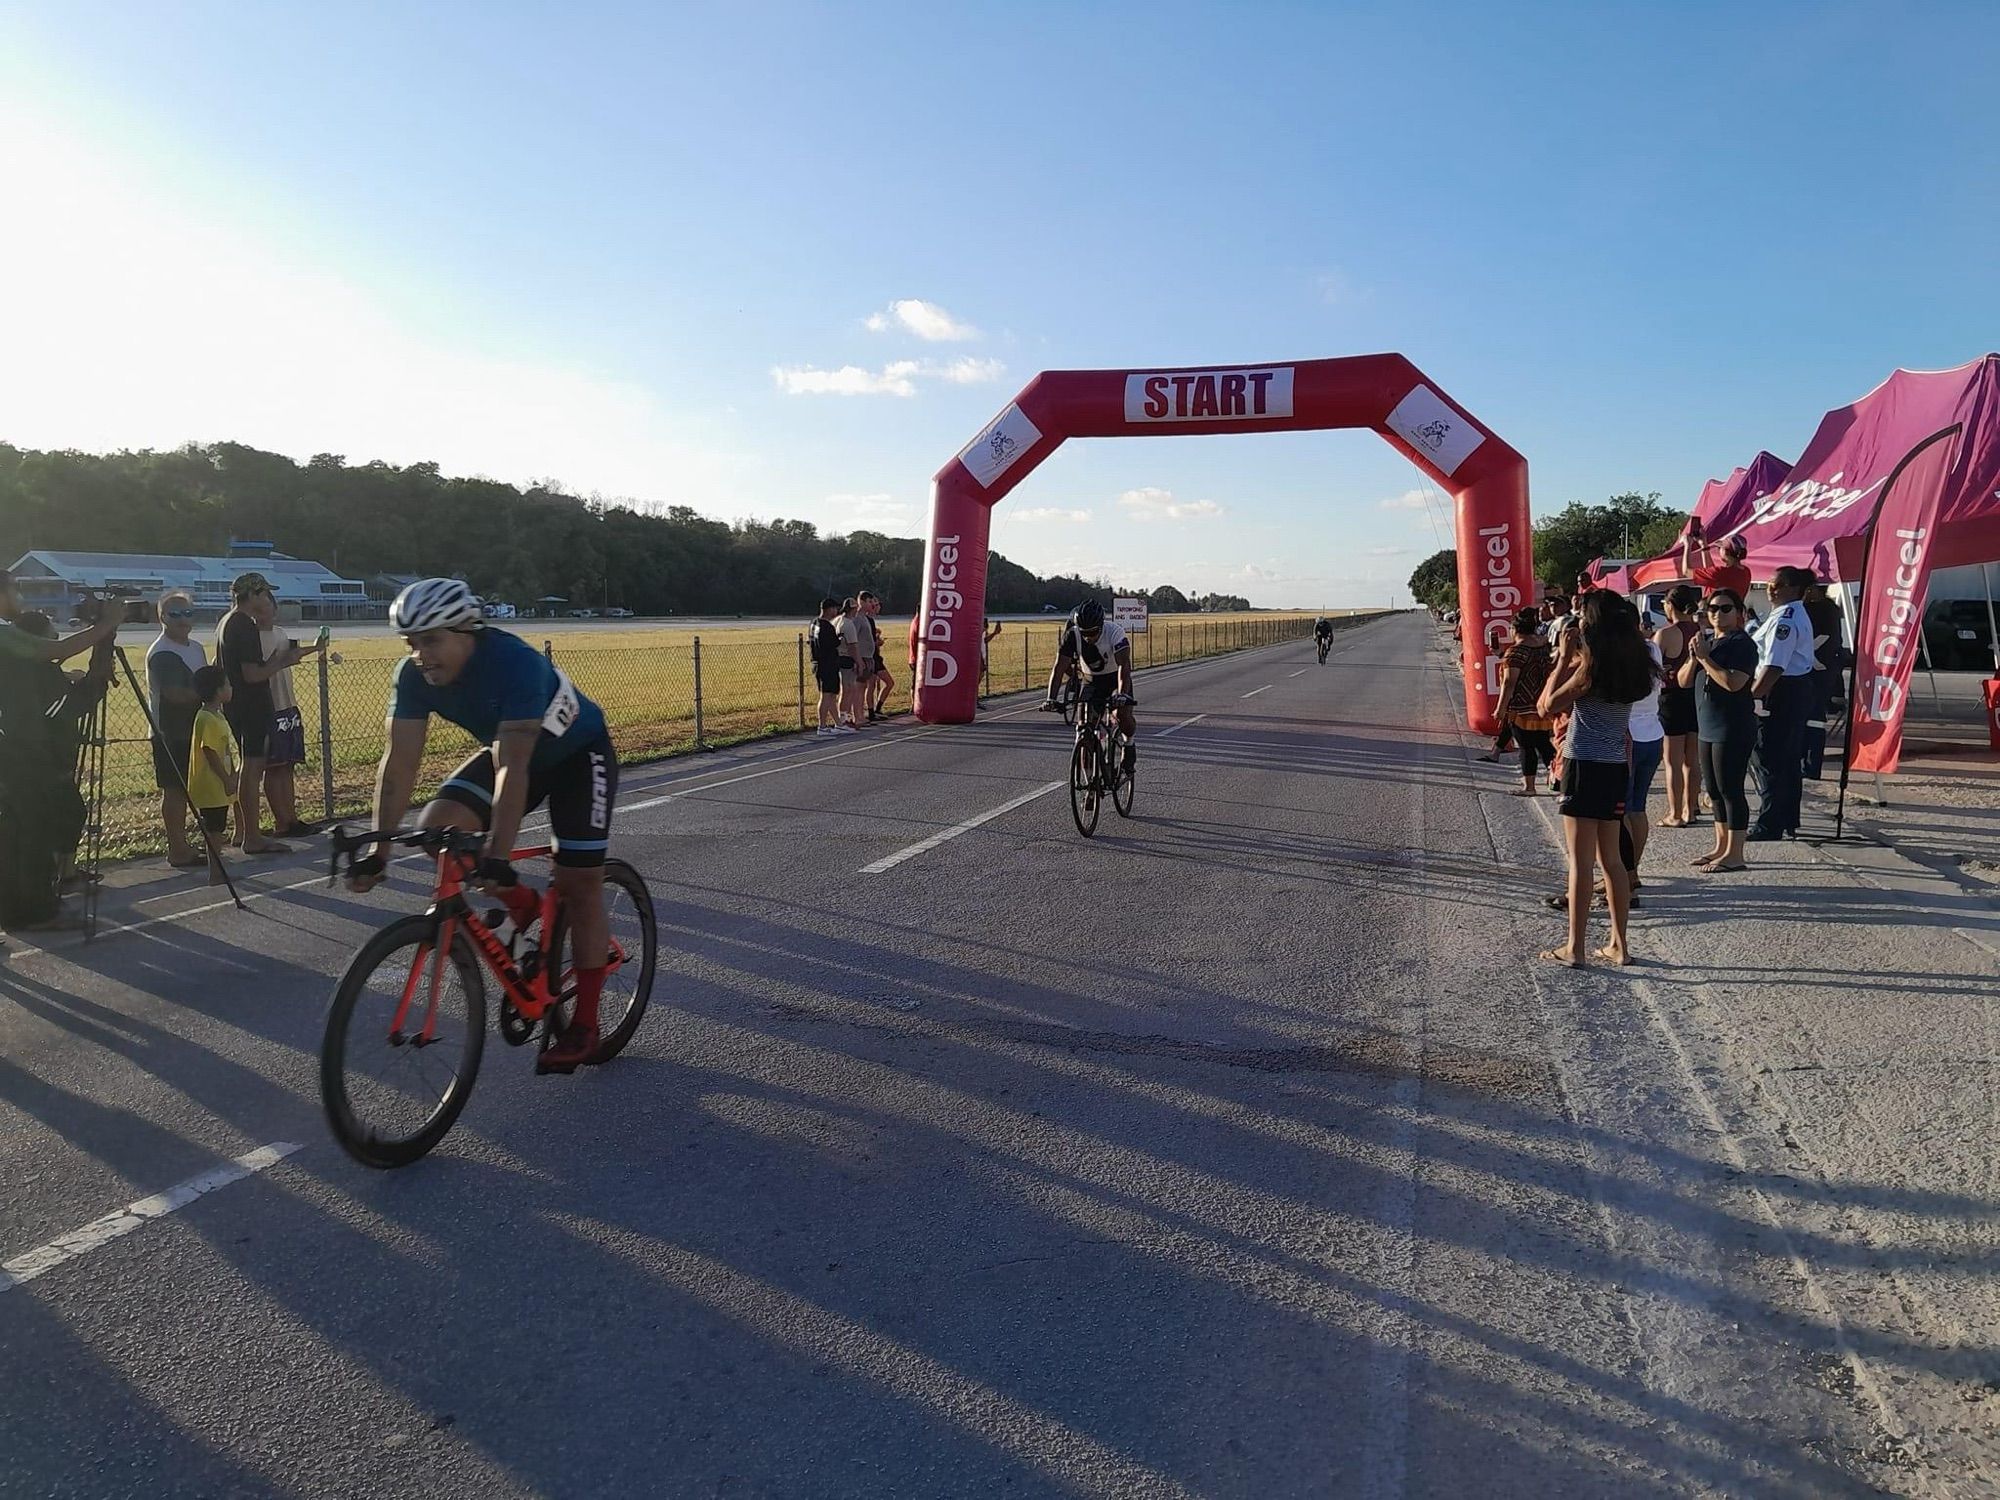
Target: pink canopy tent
(1723, 509)
(1818, 517)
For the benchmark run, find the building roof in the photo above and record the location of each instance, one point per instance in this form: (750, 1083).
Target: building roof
(92, 569)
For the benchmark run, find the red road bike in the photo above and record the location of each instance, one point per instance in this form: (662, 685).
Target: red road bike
(408, 1021)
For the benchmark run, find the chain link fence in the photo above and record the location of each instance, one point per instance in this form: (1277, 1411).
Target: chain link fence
(660, 700)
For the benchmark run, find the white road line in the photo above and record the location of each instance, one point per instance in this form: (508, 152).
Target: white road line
(924, 845)
(121, 1222)
(1176, 728)
(1255, 691)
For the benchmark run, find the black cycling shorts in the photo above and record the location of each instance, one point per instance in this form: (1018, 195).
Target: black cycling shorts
(580, 789)
(1097, 689)
(828, 678)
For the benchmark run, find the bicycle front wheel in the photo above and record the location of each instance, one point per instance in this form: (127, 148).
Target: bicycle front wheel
(1083, 787)
(628, 909)
(402, 1044)
(1121, 789)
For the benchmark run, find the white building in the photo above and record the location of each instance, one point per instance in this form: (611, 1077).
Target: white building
(54, 582)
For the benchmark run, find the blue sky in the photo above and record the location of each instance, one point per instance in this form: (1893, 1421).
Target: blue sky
(629, 247)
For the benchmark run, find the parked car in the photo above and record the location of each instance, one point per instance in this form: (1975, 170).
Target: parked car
(498, 611)
(1959, 635)
(618, 612)
(583, 614)
(1051, 609)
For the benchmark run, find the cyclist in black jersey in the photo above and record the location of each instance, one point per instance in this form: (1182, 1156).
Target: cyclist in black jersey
(544, 742)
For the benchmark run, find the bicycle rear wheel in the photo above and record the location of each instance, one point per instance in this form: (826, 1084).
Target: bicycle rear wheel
(390, 1092)
(628, 989)
(1083, 786)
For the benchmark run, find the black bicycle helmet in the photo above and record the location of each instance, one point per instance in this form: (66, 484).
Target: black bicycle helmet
(1089, 615)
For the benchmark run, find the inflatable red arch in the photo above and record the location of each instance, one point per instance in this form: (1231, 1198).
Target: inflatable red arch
(1381, 391)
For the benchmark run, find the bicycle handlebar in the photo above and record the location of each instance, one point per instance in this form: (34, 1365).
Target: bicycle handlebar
(432, 841)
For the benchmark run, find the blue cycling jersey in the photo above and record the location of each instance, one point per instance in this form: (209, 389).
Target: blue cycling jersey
(505, 681)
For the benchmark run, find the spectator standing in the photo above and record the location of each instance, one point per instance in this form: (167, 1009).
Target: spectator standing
(1784, 683)
(880, 683)
(1713, 567)
(288, 726)
(1647, 745)
(1602, 669)
(916, 624)
(1524, 672)
(1722, 661)
(1681, 738)
(985, 646)
(213, 774)
(1830, 659)
(857, 649)
(824, 643)
(240, 653)
(171, 662)
(42, 813)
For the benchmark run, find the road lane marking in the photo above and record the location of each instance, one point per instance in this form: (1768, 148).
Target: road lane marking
(923, 845)
(1176, 728)
(1302, 671)
(1255, 691)
(121, 1222)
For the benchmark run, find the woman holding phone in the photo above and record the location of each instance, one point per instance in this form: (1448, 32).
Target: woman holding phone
(1602, 668)
(1721, 664)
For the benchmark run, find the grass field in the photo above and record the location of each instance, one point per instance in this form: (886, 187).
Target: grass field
(754, 682)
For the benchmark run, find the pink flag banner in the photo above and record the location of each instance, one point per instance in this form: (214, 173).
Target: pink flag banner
(1895, 577)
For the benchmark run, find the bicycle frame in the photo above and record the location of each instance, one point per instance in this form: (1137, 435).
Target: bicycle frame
(450, 909)
(1098, 722)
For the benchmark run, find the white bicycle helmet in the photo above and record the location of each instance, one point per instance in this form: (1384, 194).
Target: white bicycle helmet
(435, 604)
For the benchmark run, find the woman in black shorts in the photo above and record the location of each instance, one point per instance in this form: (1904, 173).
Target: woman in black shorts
(1604, 668)
(1683, 744)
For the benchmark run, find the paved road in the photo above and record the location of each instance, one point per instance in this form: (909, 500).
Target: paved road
(1237, 1152)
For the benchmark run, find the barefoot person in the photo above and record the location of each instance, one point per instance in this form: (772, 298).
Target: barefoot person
(213, 778)
(1603, 669)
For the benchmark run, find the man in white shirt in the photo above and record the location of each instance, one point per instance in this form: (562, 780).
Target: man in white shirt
(1784, 681)
(857, 657)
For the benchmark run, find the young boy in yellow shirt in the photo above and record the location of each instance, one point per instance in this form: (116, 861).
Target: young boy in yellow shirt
(212, 765)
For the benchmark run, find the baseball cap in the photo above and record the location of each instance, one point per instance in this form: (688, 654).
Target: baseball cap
(250, 583)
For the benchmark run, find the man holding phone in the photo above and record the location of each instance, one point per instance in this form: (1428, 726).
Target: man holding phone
(240, 653)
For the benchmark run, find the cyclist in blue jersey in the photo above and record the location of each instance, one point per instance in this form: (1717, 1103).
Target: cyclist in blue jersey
(544, 742)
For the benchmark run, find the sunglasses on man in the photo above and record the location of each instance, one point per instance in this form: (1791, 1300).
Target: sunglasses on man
(180, 614)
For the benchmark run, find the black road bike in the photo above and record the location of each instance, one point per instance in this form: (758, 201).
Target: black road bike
(1097, 766)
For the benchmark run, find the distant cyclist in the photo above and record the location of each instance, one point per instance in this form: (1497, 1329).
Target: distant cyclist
(544, 742)
(1323, 633)
(1098, 648)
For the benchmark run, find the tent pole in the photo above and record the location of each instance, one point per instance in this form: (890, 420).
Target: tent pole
(1992, 629)
(1924, 649)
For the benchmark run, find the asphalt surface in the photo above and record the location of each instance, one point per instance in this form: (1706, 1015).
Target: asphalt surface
(1244, 1150)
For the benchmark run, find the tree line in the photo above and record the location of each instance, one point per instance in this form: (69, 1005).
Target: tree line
(509, 543)
(1628, 526)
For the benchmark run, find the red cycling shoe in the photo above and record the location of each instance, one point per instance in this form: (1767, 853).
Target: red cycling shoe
(577, 1045)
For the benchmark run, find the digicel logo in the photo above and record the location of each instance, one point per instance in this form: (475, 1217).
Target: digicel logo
(1242, 395)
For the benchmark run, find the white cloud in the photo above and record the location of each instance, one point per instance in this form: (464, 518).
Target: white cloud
(1408, 500)
(896, 379)
(1052, 513)
(926, 320)
(138, 316)
(872, 512)
(1338, 289)
(1153, 504)
(849, 380)
(967, 371)
(1388, 551)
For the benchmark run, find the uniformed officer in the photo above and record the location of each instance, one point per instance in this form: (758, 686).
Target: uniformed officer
(1784, 682)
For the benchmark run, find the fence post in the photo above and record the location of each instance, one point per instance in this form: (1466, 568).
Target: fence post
(326, 735)
(802, 682)
(700, 738)
(1026, 671)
